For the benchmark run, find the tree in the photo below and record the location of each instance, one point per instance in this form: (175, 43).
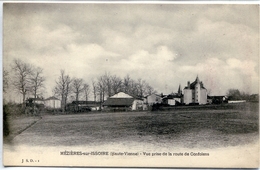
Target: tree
(234, 94)
(133, 88)
(245, 96)
(116, 83)
(63, 88)
(141, 84)
(5, 80)
(36, 81)
(94, 86)
(68, 89)
(21, 80)
(77, 87)
(101, 88)
(150, 90)
(108, 84)
(86, 90)
(126, 84)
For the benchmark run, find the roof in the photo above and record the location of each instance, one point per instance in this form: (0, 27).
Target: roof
(119, 102)
(172, 96)
(153, 94)
(35, 99)
(121, 95)
(212, 97)
(52, 98)
(192, 85)
(84, 103)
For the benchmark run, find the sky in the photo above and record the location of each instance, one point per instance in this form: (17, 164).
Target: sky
(164, 44)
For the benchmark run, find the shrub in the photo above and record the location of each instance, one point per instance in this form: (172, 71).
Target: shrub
(6, 130)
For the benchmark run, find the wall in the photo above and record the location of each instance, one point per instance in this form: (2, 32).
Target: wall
(236, 101)
(187, 96)
(153, 99)
(137, 105)
(203, 96)
(54, 104)
(171, 102)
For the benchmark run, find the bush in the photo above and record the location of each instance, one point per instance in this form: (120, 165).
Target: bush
(6, 130)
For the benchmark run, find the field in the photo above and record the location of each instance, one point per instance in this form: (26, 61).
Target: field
(212, 127)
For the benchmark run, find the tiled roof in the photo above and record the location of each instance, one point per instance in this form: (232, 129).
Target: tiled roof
(119, 102)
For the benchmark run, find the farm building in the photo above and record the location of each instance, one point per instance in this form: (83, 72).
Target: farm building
(52, 103)
(81, 106)
(35, 100)
(172, 99)
(123, 101)
(195, 93)
(217, 99)
(236, 101)
(38, 102)
(153, 99)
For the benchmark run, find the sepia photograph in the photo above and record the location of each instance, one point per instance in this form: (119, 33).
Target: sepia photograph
(131, 85)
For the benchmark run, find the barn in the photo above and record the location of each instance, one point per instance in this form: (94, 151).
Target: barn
(82, 106)
(123, 102)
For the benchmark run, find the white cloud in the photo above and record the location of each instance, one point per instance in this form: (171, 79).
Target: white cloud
(219, 76)
(162, 44)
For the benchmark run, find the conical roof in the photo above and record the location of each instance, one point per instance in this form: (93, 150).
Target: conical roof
(197, 79)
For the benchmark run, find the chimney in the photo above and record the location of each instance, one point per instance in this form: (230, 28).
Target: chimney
(188, 84)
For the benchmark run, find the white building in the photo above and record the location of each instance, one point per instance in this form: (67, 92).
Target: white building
(153, 99)
(52, 103)
(195, 93)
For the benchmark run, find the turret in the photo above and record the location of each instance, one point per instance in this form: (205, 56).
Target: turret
(197, 79)
(179, 90)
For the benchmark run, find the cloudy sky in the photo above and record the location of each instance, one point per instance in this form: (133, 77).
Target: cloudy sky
(164, 44)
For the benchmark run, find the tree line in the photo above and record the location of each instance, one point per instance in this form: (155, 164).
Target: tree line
(28, 80)
(235, 94)
(101, 87)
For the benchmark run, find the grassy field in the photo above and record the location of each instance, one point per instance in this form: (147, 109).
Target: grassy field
(17, 125)
(188, 128)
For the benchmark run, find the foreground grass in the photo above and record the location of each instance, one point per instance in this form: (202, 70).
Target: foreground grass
(209, 128)
(16, 125)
